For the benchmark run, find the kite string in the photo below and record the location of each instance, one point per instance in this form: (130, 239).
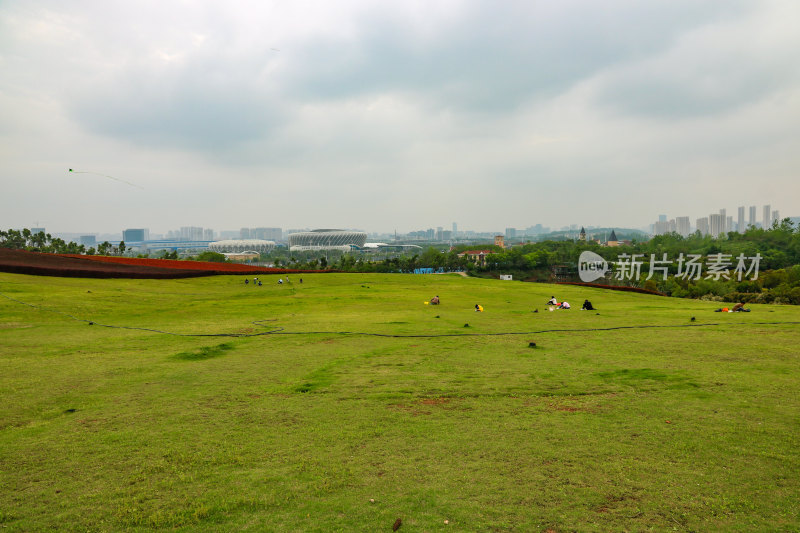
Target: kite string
(105, 175)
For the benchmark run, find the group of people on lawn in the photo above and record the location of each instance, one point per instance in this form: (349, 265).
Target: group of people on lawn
(587, 305)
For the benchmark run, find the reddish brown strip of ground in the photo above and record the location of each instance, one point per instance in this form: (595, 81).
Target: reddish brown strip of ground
(98, 266)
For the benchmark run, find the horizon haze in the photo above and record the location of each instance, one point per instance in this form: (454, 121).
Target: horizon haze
(398, 116)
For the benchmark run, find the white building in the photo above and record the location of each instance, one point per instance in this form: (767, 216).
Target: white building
(327, 239)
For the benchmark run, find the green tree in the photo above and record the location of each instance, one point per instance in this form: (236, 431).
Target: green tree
(210, 256)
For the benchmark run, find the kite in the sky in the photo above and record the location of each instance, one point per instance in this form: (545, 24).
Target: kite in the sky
(105, 176)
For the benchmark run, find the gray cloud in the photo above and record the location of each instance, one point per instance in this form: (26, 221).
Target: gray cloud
(193, 108)
(712, 70)
(495, 56)
(402, 115)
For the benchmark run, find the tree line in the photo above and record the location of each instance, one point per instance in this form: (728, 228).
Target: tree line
(778, 250)
(777, 247)
(25, 239)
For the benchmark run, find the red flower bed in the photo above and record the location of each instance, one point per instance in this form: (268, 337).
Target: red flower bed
(216, 268)
(611, 287)
(93, 266)
(39, 264)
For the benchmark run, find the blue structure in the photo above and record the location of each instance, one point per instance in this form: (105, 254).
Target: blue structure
(440, 270)
(170, 245)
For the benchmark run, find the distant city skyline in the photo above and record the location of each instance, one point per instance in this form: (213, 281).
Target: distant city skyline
(716, 223)
(712, 224)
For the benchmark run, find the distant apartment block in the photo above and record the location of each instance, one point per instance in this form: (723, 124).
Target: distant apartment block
(538, 229)
(682, 226)
(740, 225)
(660, 227)
(134, 235)
(753, 221)
(191, 233)
(265, 234)
(89, 241)
(663, 227)
(716, 225)
(766, 219)
(703, 226)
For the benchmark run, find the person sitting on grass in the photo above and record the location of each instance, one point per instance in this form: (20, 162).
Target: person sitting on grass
(552, 301)
(478, 308)
(435, 300)
(587, 306)
(563, 305)
(739, 308)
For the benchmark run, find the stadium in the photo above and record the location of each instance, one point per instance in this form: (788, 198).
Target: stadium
(327, 239)
(241, 245)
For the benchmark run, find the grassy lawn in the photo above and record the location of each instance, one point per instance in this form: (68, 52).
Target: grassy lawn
(319, 427)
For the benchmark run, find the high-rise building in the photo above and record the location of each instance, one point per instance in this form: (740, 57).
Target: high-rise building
(766, 220)
(703, 226)
(723, 228)
(740, 226)
(455, 230)
(729, 224)
(191, 233)
(134, 235)
(88, 240)
(662, 218)
(208, 234)
(511, 233)
(660, 227)
(682, 226)
(753, 215)
(715, 224)
(775, 216)
(266, 234)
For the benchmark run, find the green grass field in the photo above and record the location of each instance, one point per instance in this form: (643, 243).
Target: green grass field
(311, 429)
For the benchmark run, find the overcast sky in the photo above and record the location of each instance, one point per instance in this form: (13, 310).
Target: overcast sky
(395, 115)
